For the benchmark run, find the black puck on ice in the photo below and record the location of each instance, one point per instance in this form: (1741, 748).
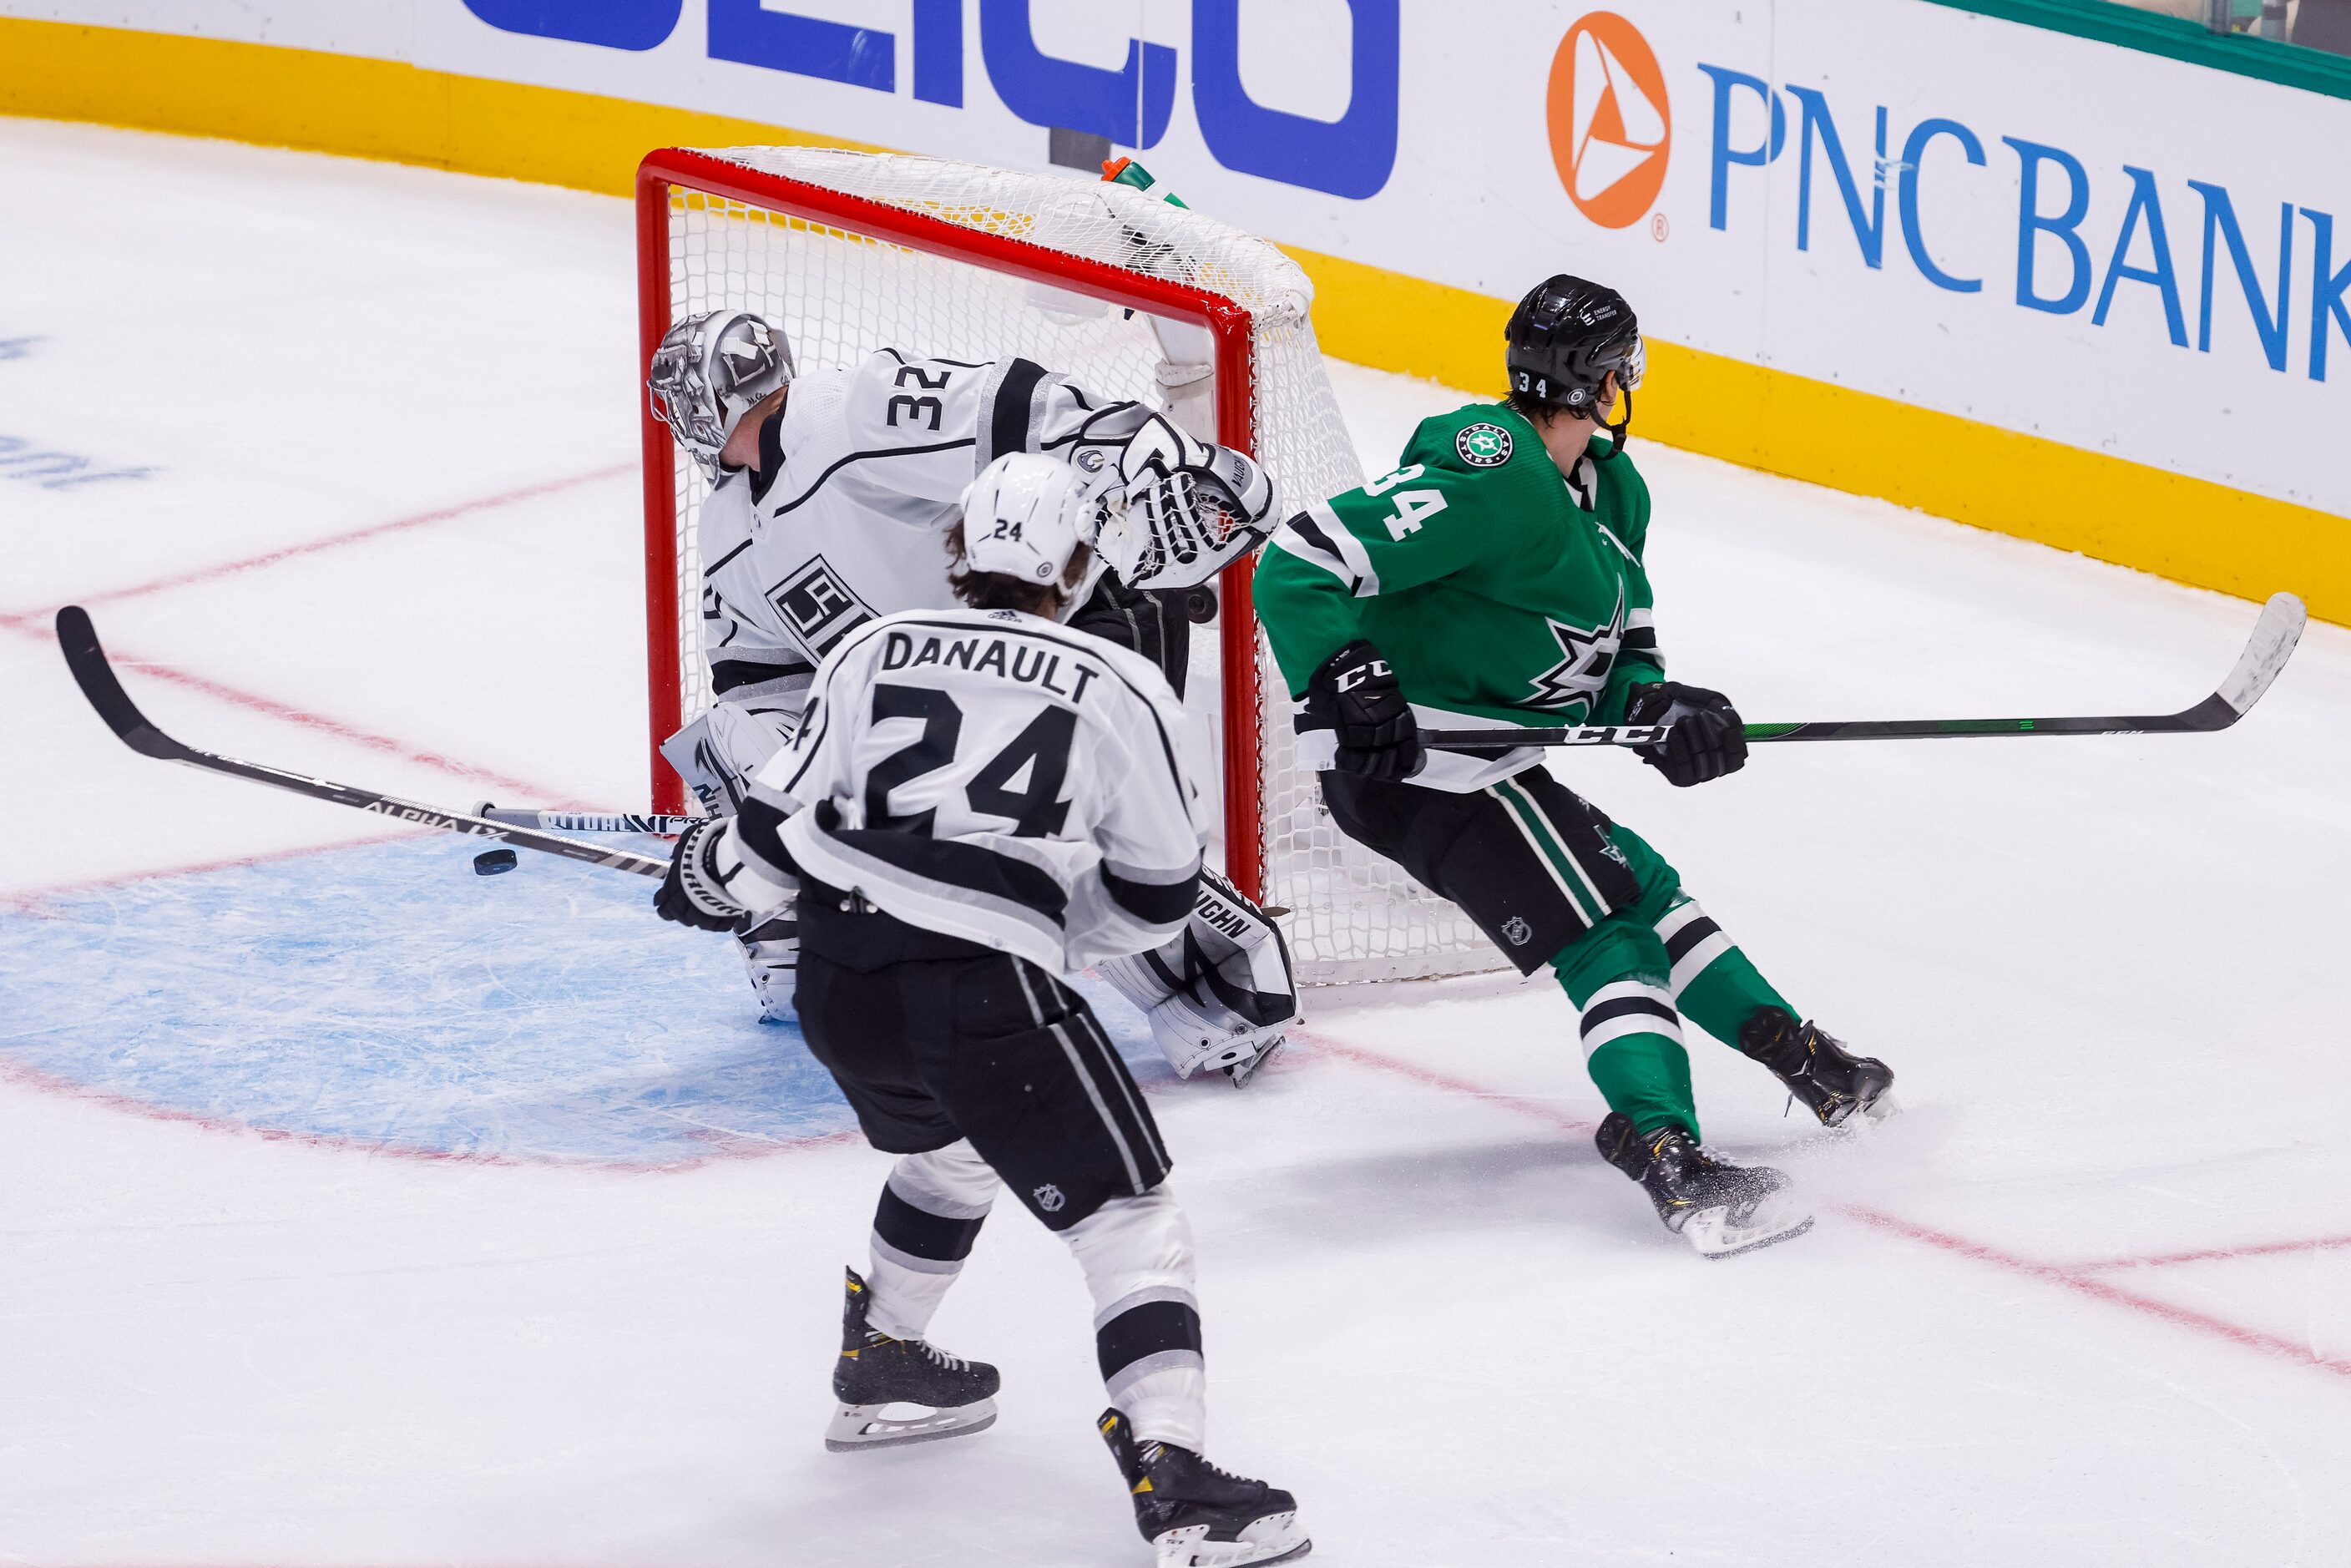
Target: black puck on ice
(489, 862)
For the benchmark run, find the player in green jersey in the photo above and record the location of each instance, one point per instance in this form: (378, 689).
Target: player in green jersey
(1495, 578)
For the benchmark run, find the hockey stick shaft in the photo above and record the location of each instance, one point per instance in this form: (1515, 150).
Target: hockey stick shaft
(585, 822)
(2266, 653)
(99, 683)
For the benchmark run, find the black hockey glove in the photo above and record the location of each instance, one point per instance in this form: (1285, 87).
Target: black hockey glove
(691, 894)
(1355, 695)
(1706, 741)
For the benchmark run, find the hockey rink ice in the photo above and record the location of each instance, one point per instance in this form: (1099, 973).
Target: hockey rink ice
(357, 1209)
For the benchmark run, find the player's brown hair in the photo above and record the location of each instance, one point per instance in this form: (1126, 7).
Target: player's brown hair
(998, 590)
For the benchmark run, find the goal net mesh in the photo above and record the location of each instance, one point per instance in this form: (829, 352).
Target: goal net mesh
(841, 295)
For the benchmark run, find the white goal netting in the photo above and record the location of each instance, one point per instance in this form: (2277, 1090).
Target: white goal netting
(842, 293)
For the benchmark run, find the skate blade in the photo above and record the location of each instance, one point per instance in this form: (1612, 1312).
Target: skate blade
(1242, 1071)
(856, 1426)
(1713, 1234)
(1276, 1538)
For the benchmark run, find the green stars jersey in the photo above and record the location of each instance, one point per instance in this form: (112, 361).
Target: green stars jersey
(1498, 589)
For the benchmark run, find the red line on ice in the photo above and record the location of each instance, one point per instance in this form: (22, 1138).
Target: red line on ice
(2076, 1278)
(359, 535)
(2219, 1254)
(34, 626)
(1446, 1081)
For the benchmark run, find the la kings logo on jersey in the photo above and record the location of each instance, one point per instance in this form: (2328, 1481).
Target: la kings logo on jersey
(819, 606)
(1483, 446)
(1050, 1198)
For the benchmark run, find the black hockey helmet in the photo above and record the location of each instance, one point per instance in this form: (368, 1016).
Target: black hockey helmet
(1566, 337)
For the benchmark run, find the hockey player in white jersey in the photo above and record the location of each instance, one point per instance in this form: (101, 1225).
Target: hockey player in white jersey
(980, 802)
(832, 493)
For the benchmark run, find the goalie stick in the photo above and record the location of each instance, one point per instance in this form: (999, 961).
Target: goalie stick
(2266, 651)
(96, 679)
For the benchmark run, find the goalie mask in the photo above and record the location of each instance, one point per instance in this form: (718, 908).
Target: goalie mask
(1027, 517)
(709, 372)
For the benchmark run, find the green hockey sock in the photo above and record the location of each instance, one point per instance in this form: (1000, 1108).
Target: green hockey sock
(1632, 1035)
(1726, 993)
(1646, 1076)
(1716, 985)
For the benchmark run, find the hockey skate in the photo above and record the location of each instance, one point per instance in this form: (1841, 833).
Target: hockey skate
(1720, 1208)
(1833, 1083)
(1242, 1069)
(1195, 1515)
(876, 1372)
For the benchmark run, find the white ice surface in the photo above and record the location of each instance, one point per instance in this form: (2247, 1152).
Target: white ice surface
(237, 1325)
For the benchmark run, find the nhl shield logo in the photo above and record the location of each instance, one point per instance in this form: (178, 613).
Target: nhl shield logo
(1517, 931)
(1049, 1198)
(1483, 446)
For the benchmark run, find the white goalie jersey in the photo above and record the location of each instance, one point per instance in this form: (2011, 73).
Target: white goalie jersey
(990, 775)
(846, 518)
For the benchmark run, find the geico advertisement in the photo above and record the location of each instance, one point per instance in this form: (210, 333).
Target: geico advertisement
(2124, 253)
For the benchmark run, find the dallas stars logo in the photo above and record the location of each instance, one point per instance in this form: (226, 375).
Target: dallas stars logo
(1483, 446)
(1589, 656)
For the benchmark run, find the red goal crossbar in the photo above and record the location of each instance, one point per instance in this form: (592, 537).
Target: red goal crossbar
(1231, 325)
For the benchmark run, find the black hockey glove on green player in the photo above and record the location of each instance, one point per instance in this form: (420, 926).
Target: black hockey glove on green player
(1707, 740)
(1355, 695)
(692, 894)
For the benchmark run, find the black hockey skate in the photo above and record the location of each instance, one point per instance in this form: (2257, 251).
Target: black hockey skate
(1832, 1082)
(1197, 1516)
(875, 1371)
(1717, 1207)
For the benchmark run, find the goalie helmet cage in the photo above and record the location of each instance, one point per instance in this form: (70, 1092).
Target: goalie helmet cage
(852, 252)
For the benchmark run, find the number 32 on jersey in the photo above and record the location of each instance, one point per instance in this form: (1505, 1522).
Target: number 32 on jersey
(1411, 506)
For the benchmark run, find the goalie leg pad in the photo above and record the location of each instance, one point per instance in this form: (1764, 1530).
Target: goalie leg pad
(717, 753)
(1219, 994)
(771, 953)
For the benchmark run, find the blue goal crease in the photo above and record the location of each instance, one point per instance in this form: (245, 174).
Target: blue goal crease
(387, 995)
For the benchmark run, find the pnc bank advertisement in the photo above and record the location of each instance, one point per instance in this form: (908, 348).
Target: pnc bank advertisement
(1956, 212)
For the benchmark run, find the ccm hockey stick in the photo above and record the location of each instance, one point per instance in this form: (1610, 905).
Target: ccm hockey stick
(585, 822)
(2272, 643)
(96, 679)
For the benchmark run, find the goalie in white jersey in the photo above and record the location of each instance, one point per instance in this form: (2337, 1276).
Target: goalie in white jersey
(833, 494)
(979, 802)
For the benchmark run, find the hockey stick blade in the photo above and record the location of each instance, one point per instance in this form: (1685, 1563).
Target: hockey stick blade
(2266, 651)
(97, 681)
(99, 684)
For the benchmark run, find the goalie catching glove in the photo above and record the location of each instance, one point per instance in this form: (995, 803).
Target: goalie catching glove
(1181, 509)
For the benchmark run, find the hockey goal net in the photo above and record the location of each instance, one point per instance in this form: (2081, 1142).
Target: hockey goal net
(852, 252)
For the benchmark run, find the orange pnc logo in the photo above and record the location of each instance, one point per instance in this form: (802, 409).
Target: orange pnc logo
(1610, 127)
